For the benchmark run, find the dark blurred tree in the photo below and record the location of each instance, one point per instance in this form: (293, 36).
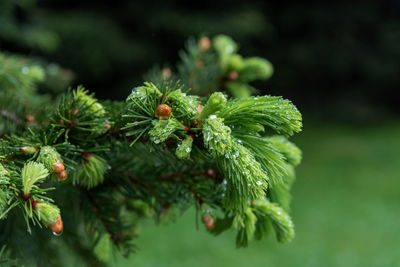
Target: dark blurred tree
(335, 58)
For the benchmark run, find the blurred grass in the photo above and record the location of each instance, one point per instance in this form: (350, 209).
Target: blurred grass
(345, 207)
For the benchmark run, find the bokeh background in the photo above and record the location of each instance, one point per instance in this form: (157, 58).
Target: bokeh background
(339, 61)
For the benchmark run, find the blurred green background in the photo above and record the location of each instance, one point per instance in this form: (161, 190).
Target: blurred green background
(339, 61)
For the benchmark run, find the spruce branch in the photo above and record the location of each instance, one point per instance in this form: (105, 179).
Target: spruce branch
(162, 149)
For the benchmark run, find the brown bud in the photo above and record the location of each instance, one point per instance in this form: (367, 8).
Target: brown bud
(30, 118)
(208, 221)
(58, 166)
(107, 126)
(87, 154)
(204, 44)
(57, 226)
(34, 204)
(212, 173)
(199, 108)
(62, 176)
(166, 73)
(62, 122)
(233, 76)
(163, 112)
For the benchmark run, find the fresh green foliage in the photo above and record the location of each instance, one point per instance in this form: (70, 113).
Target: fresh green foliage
(214, 104)
(31, 174)
(252, 114)
(159, 152)
(91, 171)
(280, 220)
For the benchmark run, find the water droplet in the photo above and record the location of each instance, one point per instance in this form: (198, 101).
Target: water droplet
(57, 233)
(259, 182)
(227, 155)
(188, 149)
(213, 117)
(236, 154)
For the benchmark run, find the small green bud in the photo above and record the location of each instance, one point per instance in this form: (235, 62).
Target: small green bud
(29, 150)
(142, 92)
(235, 63)
(225, 48)
(48, 156)
(224, 44)
(239, 89)
(47, 213)
(254, 68)
(37, 73)
(85, 101)
(32, 172)
(92, 170)
(164, 128)
(215, 103)
(183, 150)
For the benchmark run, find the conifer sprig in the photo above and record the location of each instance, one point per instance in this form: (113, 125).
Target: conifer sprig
(161, 151)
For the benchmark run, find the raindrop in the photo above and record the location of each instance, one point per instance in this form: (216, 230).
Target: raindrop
(259, 182)
(213, 117)
(236, 154)
(58, 233)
